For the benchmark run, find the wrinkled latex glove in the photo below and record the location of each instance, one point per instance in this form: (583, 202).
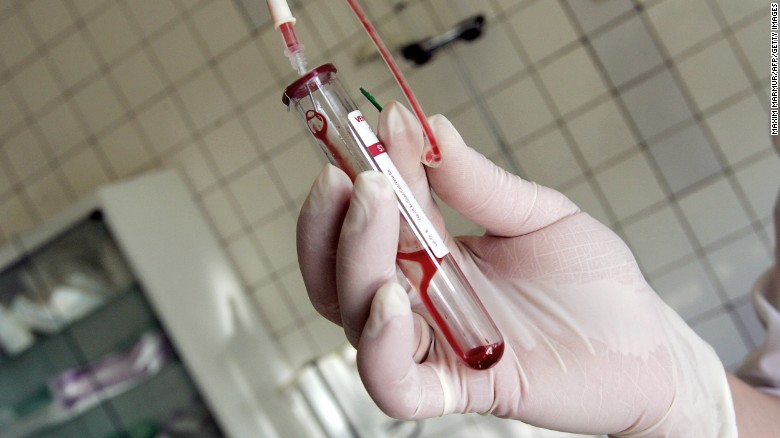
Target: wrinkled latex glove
(590, 347)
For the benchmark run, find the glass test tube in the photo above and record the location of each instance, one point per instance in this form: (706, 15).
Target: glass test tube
(344, 135)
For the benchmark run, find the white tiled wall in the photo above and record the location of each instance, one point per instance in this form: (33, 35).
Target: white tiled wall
(650, 114)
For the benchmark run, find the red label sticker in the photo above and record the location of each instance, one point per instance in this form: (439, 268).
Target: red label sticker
(376, 149)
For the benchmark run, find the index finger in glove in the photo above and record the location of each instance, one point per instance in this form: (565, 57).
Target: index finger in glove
(402, 135)
(505, 204)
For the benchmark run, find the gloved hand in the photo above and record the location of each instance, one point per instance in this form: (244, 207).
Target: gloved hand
(590, 347)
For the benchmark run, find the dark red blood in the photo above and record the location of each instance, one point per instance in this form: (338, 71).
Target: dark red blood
(318, 125)
(479, 358)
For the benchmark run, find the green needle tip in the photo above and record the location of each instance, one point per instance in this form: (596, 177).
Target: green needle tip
(371, 99)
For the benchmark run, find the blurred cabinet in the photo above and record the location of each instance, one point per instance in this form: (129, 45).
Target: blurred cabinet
(84, 354)
(122, 318)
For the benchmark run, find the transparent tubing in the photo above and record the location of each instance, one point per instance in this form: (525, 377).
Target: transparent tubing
(343, 134)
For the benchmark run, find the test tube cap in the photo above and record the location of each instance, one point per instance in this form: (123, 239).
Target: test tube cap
(298, 89)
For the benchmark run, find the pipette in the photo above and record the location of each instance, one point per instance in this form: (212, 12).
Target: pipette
(284, 22)
(343, 133)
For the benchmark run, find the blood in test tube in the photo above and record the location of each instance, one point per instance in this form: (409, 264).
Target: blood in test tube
(342, 132)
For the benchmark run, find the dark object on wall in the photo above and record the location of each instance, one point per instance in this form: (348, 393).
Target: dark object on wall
(422, 51)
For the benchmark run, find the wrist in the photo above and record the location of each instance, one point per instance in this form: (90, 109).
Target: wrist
(772, 293)
(702, 404)
(756, 412)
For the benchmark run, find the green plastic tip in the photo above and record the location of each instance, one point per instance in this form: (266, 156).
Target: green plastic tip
(371, 99)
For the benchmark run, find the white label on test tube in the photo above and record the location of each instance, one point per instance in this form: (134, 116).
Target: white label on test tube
(404, 193)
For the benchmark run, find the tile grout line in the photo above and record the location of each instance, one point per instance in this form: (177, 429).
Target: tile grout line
(17, 188)
(55, 160)
(585, 43)
(727, 175)
(481, 103)
(643, 146)
(198, 141)
(250, 230)
(744, 62)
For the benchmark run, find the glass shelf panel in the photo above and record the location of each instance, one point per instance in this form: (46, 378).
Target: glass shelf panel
(82, 303)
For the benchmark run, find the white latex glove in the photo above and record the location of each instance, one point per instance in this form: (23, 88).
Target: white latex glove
(590, 347)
